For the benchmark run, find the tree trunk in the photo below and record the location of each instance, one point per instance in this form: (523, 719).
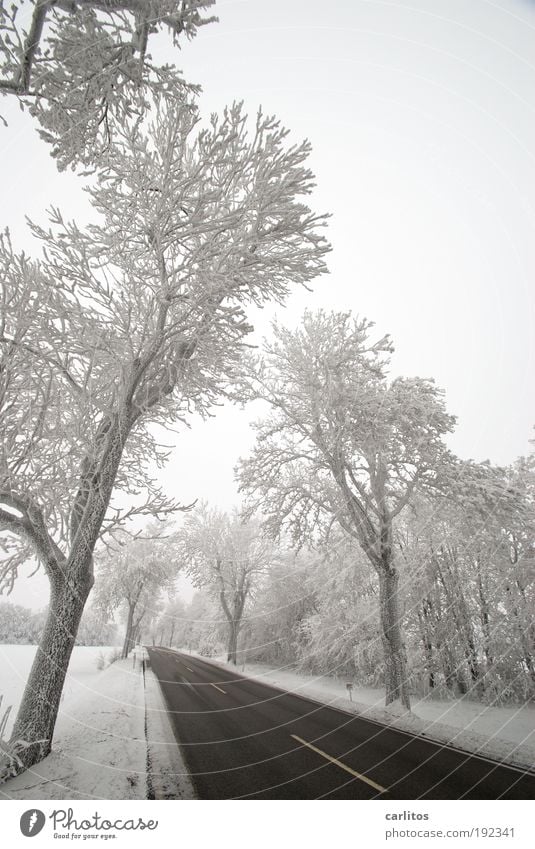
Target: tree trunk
(233, 643)
(450, 579)
(448, 668)
(524, 627)
(473, 663)
(70, 584)
(484, 609)
(128, 636)
(40, 703)
(396, 683)
(425, 633)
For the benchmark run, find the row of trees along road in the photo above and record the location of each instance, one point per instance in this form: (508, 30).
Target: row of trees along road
(342, 445)
(228, 557)
(466, 595)
(219, 552)
(223, 555)
(132, 578)
(355, 467)
(138, 318)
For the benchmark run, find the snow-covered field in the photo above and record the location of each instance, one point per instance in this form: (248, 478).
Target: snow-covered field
(99, 748)
(501, 733)
(15, 665)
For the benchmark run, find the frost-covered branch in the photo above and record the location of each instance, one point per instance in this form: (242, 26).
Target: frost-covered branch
(82, 67)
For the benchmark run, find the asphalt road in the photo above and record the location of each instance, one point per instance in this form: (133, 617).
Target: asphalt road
(244, 739)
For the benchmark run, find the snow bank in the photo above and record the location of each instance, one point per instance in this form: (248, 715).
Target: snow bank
(99, 748)
(504, 734)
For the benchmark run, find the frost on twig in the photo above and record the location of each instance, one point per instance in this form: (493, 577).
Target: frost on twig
(82, 68)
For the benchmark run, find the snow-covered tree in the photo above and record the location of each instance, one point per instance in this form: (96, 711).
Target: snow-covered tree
(171, 621)
(96, 629)
(138, 319)
(470, 580)
(18, 624)
(82, 67)
(344, 445)
(318, 610)
(203, 628)
(518, 548)
(133, 577)
(226, 556)
(283, 604)
(342, 633)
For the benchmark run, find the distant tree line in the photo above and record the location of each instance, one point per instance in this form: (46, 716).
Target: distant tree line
(20, 625)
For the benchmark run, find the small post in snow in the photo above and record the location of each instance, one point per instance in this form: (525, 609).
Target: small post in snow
(349, 688)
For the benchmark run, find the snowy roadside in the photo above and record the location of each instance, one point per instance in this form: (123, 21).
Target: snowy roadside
(168, 775)
(99, 749)
(503, 734)
(84, 668)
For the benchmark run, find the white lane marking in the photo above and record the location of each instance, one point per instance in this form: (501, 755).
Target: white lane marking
(218, 688)
(340, 764)
(181, 662)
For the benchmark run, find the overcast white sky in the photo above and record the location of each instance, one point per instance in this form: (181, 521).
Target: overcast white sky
(421, 116)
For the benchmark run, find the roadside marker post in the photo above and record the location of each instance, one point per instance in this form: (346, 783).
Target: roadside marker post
(349, 688)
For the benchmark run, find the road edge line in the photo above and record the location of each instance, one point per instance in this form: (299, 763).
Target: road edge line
(172, 779)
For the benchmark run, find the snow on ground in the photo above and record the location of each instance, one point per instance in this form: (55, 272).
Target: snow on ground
(99, 748)
(15, 665)
(501, 733)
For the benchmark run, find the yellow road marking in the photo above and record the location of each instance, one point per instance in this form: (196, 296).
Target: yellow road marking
(340, 764)
(218, 688)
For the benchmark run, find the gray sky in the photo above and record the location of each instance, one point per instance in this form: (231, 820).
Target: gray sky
(420, 113)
